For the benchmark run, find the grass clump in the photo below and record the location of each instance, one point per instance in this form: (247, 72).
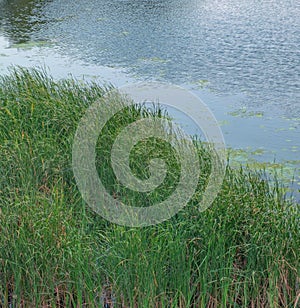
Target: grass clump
(241, 252)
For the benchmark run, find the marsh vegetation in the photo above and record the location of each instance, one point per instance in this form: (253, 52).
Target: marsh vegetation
(55, 252)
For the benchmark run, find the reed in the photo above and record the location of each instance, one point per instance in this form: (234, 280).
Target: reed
(54, 251)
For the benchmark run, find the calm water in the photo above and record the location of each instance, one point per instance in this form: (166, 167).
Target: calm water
(241, 57)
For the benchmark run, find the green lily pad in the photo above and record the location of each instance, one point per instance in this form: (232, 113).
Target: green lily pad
(155, 59)
(31, 44)
(201, 83)
(244, 113)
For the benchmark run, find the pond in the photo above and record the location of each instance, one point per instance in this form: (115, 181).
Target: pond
(240, 57)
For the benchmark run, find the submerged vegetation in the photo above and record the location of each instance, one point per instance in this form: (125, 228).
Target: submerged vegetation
(54, 251)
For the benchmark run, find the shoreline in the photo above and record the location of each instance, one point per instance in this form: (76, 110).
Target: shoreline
(55, 251)
(242, 127)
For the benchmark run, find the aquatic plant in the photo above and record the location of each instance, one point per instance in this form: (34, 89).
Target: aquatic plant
(54, 251)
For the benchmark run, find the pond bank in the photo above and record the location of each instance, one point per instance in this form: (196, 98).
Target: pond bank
(242, 251)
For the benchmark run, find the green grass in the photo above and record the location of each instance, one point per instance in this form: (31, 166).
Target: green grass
(55, 252)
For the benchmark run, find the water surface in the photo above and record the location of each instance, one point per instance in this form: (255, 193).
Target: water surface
(241, 57)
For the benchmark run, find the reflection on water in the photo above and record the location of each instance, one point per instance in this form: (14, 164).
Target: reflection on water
(19, 19)
(237, 45)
